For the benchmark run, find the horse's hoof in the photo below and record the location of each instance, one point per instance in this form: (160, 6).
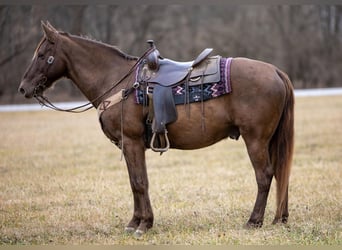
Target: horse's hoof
(129, 230)
(252, 225)
(280, 220)
(138, 234)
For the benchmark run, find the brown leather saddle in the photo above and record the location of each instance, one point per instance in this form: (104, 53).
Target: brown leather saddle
(159, 75)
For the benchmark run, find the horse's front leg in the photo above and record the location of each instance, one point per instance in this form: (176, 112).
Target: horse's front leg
(134, 152)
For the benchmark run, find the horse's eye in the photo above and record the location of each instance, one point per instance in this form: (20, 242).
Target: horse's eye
(40, 55)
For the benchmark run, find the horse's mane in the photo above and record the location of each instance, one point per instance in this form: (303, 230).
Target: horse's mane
(110, 47)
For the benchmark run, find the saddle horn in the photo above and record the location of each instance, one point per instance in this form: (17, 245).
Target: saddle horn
(153, 58)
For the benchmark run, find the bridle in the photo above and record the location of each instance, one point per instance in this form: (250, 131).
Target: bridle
(41, 86)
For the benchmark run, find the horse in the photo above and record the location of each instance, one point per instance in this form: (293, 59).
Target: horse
(260, 109)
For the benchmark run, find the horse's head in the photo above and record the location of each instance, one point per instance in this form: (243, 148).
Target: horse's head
(46, 66)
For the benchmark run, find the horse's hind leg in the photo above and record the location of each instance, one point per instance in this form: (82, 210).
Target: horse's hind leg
(258, 153)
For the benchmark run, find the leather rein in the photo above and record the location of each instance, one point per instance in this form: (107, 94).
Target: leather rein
(42, 100)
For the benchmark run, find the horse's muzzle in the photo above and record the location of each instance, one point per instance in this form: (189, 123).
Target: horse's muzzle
(26, 91)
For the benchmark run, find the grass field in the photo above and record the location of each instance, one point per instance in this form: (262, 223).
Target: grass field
(62, 182)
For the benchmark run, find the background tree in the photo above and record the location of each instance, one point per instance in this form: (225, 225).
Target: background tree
(303, 40)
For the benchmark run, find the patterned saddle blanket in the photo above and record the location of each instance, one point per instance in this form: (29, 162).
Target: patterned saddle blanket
(183, 94)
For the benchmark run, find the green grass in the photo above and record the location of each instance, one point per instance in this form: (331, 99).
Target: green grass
(62, 182)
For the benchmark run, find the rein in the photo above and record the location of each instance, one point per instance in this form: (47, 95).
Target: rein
(42, 100)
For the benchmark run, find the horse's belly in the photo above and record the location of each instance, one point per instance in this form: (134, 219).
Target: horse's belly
(197, 129)
(195, 139)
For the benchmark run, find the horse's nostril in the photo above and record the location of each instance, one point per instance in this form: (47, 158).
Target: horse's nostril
(22, 91)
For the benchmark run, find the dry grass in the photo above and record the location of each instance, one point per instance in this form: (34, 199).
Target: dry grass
(62, 182)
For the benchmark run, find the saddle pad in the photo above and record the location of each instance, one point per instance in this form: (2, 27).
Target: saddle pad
(197, 93)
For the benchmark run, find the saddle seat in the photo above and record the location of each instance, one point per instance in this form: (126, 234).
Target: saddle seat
(167, 72)
(170, 72)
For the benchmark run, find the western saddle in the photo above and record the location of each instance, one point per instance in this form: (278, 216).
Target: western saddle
(158, 75)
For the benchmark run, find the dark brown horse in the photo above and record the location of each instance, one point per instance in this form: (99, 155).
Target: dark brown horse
(260, 108)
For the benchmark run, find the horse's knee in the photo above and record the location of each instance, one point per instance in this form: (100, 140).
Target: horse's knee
(139, 185)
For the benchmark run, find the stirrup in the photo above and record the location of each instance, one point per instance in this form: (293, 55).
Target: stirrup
(161, 150)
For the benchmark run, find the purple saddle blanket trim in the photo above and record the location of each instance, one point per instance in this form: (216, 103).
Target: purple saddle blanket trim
(197, 93)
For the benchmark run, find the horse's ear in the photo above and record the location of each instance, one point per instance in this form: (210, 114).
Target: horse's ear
(49, 32)
(51, 27)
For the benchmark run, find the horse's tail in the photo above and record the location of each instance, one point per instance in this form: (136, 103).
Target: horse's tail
(281, 150)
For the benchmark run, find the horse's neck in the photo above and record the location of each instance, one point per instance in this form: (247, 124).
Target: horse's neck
(94, 68)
